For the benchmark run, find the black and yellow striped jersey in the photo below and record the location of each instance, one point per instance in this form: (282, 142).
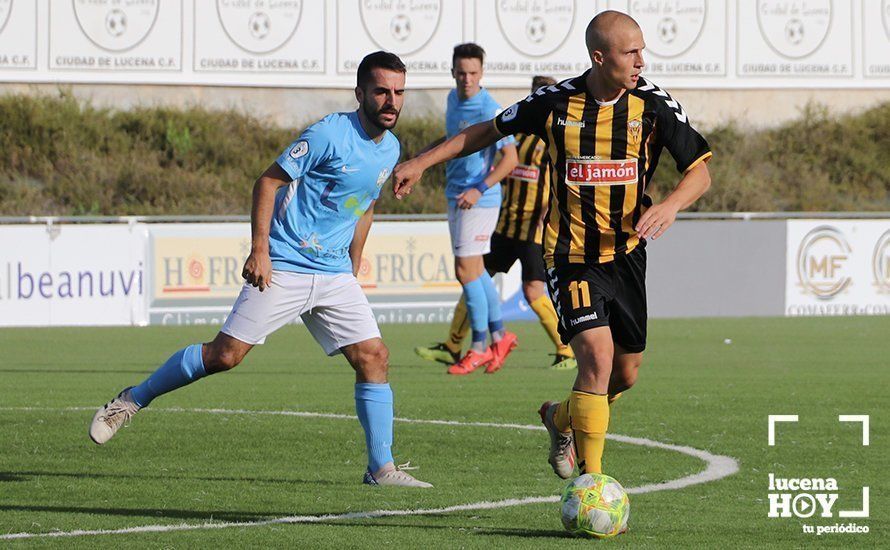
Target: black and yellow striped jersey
(603, 156)
(526, 192)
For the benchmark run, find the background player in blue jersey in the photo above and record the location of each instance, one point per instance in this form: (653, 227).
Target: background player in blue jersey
(473, 191)
(312, 210)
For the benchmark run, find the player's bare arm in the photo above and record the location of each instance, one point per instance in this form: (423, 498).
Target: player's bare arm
(656, 220)
(433, 144)
(258, 266)
(476, 137)
(509, 160)
(362, 228)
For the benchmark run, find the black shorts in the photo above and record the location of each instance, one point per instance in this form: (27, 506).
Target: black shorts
(505, 252)
(612, 294)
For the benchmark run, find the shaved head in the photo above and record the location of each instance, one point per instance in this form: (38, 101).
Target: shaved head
(605, 26)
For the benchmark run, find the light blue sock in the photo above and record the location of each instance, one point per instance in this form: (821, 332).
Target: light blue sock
(495, 318)
(184, 367)
(477, 308)
(373, 405)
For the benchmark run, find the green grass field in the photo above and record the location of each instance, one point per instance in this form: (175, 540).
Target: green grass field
(178, 465)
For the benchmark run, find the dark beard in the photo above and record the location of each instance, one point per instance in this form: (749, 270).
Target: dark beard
(372, 116)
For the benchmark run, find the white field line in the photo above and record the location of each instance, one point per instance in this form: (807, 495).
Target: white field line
(718, 467)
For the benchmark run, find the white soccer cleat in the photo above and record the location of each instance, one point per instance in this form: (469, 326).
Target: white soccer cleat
(390, 475)
(562, 444)
(114, 414)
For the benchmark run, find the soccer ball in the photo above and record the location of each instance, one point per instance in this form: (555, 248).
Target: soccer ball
(536, 29)
(259, 25)
(594, 505)
(116, 23)
(794, 31)
(400, 27)
(667, 30)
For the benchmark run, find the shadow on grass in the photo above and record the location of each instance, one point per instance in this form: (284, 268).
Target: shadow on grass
(485, 531)
(74, 371)
(247, 372)
(26, 476)
(145, 512)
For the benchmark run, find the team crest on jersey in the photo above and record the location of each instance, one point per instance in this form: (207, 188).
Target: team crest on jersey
(381, 177)
(635, 130)
(299, 149)
(310, 245)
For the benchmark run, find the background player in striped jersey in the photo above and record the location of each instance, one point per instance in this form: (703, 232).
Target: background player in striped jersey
(473, 191)
(312, 211)
(517, 236)
(605, 130)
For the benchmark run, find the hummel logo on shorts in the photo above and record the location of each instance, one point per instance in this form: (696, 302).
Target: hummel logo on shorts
(583, 318)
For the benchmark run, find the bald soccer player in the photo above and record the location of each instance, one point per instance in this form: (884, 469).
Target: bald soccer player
(604, 131)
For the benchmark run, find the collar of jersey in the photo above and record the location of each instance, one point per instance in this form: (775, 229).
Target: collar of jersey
(353, 118)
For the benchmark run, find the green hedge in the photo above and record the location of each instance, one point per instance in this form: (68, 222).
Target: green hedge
(60, 156)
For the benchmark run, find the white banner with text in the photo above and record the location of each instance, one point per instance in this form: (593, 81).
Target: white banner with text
(319, 43)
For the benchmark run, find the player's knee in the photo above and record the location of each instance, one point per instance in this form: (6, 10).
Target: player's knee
(532, 290)
(602, 360)
(374, 357)
(464, 276)
(219, 360)
(628, 378)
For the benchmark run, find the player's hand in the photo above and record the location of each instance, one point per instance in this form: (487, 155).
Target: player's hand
(655, 221)
(404, 176)
(468, 198)
(258, 270)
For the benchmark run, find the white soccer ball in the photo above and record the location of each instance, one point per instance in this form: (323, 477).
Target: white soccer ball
(116, 22)
(594, 505)
(794, 31)
(259, 25)
(400, 27)
(536, 29)
(667, 30)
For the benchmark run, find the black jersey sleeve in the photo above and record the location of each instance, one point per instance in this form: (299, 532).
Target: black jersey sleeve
(523, 117)
(686, 145)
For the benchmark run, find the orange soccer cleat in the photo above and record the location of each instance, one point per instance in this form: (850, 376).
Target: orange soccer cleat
(471, 361)
(500, 350)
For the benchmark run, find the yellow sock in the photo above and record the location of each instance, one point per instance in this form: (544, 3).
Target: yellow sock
(543, 308)
(561, 419)
(460, 326)
(590, 420)
(614, 397)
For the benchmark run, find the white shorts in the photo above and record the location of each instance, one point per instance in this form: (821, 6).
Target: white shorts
(471, 229)
(333, 307)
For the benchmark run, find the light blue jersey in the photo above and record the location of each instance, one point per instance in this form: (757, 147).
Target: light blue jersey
(337, 170)
(465, 172)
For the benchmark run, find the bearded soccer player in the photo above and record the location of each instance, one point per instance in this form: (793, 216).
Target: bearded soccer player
(517, 236)
(312, 210)
(604, 130)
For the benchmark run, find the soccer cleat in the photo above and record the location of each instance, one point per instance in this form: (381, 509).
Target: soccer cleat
(392, 476)
(562, 448)
(500, 350)
(564, 362)
(471, 361)
(114, 414)
(439, 353)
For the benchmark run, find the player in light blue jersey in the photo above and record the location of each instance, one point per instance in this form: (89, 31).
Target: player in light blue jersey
(473, 191)
(312, 210)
